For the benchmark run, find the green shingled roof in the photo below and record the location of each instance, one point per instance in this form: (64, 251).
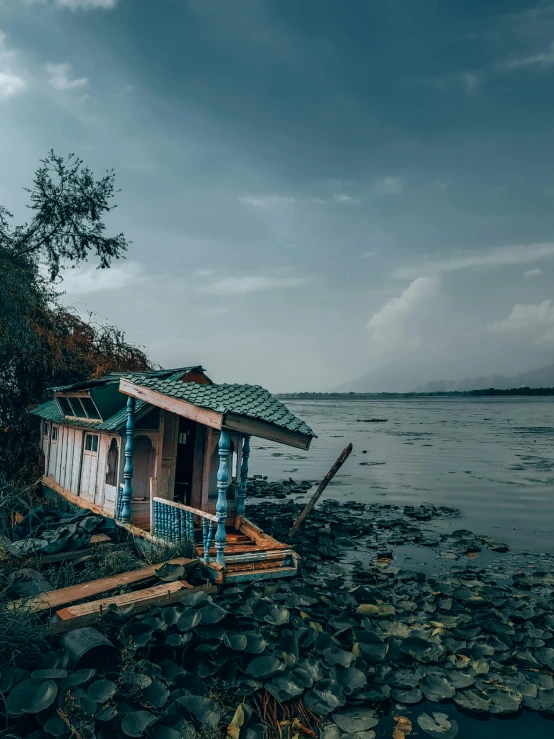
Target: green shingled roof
(50, 411)
(252, 401)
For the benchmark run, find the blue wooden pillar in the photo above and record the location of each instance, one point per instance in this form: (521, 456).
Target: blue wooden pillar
(224, 447)
(243, 475)
(127, 492)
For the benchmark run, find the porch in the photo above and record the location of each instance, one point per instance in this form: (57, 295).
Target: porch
(230, 547)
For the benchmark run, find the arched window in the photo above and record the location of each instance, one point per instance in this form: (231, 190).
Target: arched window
(112, 463)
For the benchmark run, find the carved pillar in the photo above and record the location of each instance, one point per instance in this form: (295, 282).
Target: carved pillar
(224, 448)
(127, 492)
(243, 475)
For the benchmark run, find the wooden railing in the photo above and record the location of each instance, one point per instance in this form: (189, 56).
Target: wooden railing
(175, 523)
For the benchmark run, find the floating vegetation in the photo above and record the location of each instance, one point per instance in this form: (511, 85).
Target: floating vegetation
(344, 651)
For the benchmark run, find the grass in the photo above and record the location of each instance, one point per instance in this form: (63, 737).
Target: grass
(15, 499)
(22, 639)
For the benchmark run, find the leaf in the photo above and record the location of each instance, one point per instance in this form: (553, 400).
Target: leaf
(48, 674)
(265, 667)
(212, 613)
(237, 642)
(285, 686)
(277, 615)
(325, 697)
(101, 690)
(403, 727)
(233, 730)
(438, 725)
(436, 687)
(336, 656)
(188, 619)
(135, 723)
(170, 572)
(31, 696)
(408, 697)
(205, 710)
(353, 720)
(156, 694)
(504, 700)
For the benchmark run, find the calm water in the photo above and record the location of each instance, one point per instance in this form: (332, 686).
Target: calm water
(493, 458)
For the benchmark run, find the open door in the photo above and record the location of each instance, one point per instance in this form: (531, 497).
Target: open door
(185, 461)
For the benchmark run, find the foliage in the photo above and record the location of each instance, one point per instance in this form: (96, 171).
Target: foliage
(43, 343)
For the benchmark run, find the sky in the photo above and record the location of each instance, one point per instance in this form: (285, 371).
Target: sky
(314, 190)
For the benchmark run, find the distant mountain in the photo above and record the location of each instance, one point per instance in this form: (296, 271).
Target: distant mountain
(543, 377)
(401, 377)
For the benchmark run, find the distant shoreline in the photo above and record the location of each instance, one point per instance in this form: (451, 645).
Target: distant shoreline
(488, 393)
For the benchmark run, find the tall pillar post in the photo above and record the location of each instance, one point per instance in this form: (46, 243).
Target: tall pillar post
(127, 492)
(224, 447)
(243, 475)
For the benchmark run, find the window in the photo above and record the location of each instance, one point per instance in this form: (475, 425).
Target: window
(46, 429)
(66, 408)
(54, 433)
(91, 442)
(90, 408)
(182, 437)
(77, 406)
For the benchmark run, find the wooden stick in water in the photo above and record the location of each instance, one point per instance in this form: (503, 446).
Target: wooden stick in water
(323, 484)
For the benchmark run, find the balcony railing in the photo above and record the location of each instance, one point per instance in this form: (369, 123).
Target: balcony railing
(174, 522)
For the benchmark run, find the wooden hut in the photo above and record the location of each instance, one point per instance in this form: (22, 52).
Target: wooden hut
(165, 453)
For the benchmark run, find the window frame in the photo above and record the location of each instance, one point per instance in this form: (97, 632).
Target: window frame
(94, 443)
(77, 398)
(55, 433)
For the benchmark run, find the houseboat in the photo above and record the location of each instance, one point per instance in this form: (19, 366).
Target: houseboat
(165, 453)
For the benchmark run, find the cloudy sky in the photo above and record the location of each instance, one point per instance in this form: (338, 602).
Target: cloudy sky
(313, 189)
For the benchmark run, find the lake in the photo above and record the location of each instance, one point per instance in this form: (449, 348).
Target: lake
(493, 458)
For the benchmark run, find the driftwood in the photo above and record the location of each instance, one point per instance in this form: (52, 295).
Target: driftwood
(323, 484)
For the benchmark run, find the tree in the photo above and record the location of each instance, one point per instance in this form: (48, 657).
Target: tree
(42, 343)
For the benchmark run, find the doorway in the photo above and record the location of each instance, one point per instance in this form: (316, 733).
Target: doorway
(185, 459)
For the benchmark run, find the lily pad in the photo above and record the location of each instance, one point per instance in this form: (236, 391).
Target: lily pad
(504, 700)
(351, 679)
(101, 690)
(277, 615)
(204, 709)
(284, 687)
(237, 642)
(265, 667)
(473, 700)
(438, 725)
(408, 697)
(212, 613)
(48, 674)
(436, 687)
(31, 696)
(170, 572)
(336, 656)
(325, 697)
(356, 719)
(188, 619)
(135, 723)
(156, 694)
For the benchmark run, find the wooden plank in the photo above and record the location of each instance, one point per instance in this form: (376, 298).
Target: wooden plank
(98, 539)
(256, 534)
(57, 598)
(244, 548)
(174, 405)
(195, 511)
(160, 595)
(264, 430)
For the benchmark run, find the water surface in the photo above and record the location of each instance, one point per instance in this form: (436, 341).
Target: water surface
(493, 458)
